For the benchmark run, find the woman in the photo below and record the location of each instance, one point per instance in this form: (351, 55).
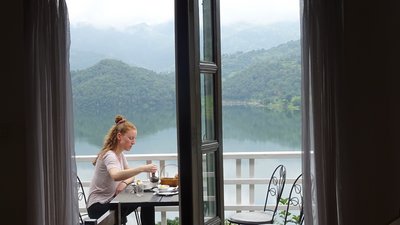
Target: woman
(112, 173)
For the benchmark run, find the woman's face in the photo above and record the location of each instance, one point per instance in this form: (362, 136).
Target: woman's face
(128, 139)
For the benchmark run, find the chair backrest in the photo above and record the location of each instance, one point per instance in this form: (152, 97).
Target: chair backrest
(295, 200)
(275, 187)
(108, 218)
(81, 191)
(81, 195)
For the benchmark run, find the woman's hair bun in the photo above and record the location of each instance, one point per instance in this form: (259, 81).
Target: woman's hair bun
(118, 118)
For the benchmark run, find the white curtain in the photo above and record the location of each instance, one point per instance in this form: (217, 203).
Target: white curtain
(52, 197)
(322, 50)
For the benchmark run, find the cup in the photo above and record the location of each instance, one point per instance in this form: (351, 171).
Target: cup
(139, 189)
(129, 188)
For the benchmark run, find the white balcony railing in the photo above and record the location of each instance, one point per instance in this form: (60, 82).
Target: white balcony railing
(248, 172)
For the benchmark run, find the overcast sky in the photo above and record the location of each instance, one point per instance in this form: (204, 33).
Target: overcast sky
(123, 13)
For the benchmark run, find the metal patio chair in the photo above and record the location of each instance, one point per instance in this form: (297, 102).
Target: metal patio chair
(81, 196)
(274, 191)
(294, 203)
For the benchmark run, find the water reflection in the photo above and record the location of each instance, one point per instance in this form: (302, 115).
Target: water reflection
(256, 124)
(92, 127)
(245, 129)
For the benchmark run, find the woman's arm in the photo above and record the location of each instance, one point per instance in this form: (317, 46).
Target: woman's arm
(123, 184)
(128, 174)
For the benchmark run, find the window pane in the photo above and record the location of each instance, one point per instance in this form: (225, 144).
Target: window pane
(205, 29)
(207, 107)
(209, 188)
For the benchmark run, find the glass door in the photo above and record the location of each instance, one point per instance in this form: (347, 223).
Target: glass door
(198, 83)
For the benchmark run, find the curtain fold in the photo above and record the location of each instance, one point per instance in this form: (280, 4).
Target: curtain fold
(52, 197)
(322, 54)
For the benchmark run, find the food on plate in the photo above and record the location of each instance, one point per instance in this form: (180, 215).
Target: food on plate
(163, 186)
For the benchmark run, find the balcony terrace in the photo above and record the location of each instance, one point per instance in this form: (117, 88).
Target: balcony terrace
(246, 175)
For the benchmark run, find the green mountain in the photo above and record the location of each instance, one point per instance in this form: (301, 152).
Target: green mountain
(266, 77)
(114, 86)
(269, 77)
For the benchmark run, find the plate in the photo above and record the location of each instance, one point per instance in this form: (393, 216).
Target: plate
(167, 193)
(168, 189)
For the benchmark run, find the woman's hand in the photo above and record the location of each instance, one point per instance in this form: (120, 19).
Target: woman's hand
(121, 186)
(151, 168)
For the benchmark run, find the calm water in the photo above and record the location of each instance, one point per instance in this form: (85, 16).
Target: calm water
(245, 129)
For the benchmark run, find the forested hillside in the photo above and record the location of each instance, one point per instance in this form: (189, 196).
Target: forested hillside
(266, 77)
(112, 84)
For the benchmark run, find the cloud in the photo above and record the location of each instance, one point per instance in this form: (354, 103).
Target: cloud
(120, 13)
(259, 11)
(124, 13)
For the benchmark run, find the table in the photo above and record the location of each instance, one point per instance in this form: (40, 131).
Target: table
(147, 202)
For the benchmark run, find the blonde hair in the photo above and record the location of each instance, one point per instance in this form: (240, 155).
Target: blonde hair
(110, 140)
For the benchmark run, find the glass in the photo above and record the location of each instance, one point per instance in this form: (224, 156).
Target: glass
(207, 107)
(205, 30)
(209, 186)
(139, 189)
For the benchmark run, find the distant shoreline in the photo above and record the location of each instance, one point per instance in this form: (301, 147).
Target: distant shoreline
(259, 105)
(242, 103)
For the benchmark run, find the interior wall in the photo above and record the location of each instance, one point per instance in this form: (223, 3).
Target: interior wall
(368, 124)
(12, 118)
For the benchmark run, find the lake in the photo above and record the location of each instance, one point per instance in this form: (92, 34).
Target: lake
(245, 129)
